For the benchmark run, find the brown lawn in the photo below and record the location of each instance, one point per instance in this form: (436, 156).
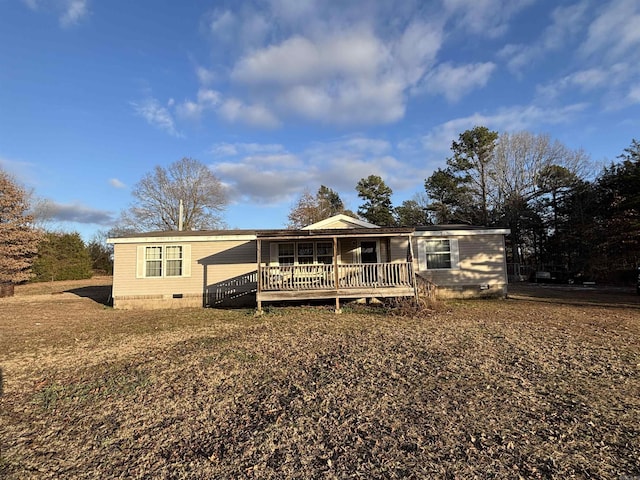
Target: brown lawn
(543, 385)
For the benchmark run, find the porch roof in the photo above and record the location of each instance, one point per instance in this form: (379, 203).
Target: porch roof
(334, 233)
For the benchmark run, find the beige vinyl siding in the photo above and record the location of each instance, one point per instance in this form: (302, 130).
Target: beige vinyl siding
(383, 254)
(398, 247)
(348, 250)
(480, 261)
(210, 262)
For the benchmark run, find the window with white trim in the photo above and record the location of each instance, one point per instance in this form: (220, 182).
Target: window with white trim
(174, 260)
(438, 254)
(159, 261)
(153, 261)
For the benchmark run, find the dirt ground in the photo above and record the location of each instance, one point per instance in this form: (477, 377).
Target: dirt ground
(545, 384)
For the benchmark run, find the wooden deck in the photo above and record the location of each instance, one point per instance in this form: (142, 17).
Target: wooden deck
(302, 282)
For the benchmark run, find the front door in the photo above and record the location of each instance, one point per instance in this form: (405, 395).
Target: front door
(369, 254)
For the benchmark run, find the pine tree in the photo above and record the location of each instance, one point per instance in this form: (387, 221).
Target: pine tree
(377, 207)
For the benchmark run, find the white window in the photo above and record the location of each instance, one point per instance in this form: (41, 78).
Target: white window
(153, 261)
(439, 254)
(174, 261)
(158, 261)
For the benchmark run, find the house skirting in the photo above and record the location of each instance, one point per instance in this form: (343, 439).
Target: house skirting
(157, 302)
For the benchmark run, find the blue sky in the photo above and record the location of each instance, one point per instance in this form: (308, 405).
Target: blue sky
(278, 96)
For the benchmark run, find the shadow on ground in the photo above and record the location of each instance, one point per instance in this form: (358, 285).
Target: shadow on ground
(606, 296)
(99, 293)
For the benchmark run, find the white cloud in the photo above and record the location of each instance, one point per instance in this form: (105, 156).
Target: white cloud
(115, 183)
(207, 100)
(345, 77)
(566, 24)
(294, 10)
(614, 33)
(205, 76)
(70, 12)
(224, 150)
(249, 180)
(299, 60)
(267, 177)
(32, 4)
(600, 44)
(74, 11)
(484, 17)
(234, 110)
(634, 93)
(222, 22)
(232, 149)
(510, 119)
(456, 81)
(612, 83)
(156, 115)
(237, 30)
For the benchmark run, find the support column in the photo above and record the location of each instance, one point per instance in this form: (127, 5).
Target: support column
(411, 271)
(336, 274)
(259, 275)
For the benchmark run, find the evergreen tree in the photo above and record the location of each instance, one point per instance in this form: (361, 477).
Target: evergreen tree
(451, 199)
(411, 214)
(101, 254)
(619, 194)
(377, 207)
(62, 256)
(472, 154)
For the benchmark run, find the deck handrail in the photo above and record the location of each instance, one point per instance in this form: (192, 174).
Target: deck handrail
(322, 276)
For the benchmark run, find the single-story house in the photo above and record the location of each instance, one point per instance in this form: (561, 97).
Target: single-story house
(338, 258)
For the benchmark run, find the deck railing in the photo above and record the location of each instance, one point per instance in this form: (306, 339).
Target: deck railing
(321, 277)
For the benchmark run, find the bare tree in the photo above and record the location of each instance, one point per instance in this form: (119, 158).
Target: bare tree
(18, 238)
(520, 159)
(158, 196)
(525, 169)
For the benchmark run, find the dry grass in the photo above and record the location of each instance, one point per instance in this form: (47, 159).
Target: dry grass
(522, 388)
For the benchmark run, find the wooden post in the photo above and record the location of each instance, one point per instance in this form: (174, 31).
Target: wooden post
(259, 274)
(336, 274)
(411, 272)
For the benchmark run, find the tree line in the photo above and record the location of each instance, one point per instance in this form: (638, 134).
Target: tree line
(562, 216)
